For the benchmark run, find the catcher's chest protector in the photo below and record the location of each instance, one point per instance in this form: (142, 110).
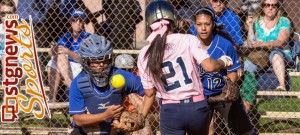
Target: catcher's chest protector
(97, 101)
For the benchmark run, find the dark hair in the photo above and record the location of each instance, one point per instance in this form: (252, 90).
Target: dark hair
(218, 28)
(155, 54)
(10, 3)
(205, 10)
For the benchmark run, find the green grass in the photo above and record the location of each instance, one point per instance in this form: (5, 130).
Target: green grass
(58, 121)
(280, 104)
(295, 83)
(273, 126)
(283, 105)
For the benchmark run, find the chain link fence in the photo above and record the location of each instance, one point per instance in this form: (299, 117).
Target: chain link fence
(123, 22)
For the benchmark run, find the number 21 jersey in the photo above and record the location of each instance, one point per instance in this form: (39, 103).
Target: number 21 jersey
(180, 73)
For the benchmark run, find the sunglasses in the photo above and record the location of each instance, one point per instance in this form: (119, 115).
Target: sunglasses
(221, 1)
(267, 5)
(3, 13)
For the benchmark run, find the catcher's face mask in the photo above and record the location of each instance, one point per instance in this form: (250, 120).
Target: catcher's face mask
(96, 57)
(99, 69)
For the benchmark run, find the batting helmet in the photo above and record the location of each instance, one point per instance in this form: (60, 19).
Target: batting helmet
(96, 48)
(160, 9)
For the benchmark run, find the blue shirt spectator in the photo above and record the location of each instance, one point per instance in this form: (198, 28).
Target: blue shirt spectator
(68, 41)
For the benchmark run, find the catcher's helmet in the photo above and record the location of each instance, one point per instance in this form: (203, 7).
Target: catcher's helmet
(124, 61)
(160, 9)
(96, 48)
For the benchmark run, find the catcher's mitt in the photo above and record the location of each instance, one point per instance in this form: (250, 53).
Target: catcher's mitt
(230, 93)
(129, 122)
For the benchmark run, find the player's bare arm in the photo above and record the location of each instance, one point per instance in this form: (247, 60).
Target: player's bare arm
(149, 98)
(94, 119)
(212, 65)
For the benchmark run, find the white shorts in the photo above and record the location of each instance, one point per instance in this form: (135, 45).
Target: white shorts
(75, 67)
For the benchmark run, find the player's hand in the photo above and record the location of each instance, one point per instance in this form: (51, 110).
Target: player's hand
(227, 61)
(114, 111)
(63, 50)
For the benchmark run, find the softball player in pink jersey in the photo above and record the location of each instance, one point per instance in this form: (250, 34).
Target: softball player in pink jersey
(168, 70)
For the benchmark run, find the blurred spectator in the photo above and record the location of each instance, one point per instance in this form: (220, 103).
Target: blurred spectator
(185, 8)
(9, 7)
(270, 31)
(125, 62)
(60, 14)
(184, 12)
(248, 82)
(227, 20)
(122, 17)
(6, 7)
(248, 7)
(64, 57)
(38, 9)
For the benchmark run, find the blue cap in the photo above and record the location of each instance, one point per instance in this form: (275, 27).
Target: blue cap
(78, 13)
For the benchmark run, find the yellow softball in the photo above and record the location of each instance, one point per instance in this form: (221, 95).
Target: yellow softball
(118, 81)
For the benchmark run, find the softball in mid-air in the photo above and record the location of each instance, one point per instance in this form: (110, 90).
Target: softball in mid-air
(118, 81)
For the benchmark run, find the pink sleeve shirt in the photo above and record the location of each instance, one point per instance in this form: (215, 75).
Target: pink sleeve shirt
(181, 78)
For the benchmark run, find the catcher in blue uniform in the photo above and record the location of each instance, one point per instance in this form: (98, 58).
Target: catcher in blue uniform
(92, 91)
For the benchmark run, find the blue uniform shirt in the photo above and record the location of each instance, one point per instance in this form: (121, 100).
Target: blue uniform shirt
(231, 24)
(67, 41)
(77, 101)
(213, 82)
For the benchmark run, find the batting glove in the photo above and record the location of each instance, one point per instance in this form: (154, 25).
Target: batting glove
(227, 61)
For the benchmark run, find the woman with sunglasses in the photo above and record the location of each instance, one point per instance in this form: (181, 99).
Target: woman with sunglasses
(217, 44)
(272, 32)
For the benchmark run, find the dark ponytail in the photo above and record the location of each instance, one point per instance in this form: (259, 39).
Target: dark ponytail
(155, 55)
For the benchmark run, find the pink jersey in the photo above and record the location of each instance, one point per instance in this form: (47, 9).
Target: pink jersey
(182, 54)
